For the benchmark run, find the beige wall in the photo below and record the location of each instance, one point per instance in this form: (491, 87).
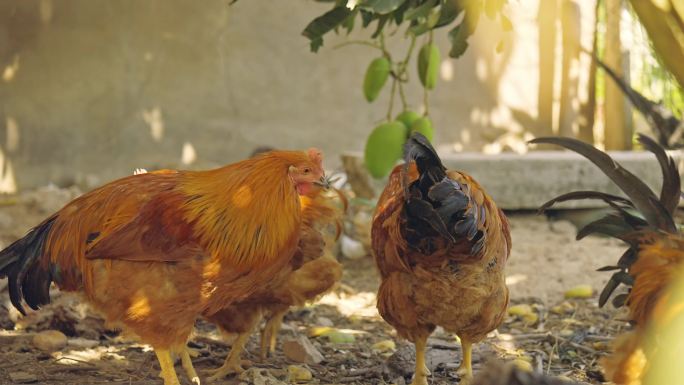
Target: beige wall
(92, 89)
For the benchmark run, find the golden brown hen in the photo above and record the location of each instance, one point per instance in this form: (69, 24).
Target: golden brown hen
(312, 272)
(441, 245)
(154, 251)
(650, 267)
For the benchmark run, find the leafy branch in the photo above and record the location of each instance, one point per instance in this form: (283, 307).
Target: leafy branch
(415, 18)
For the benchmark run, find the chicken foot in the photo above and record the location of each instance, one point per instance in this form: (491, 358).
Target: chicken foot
(422, 371)
(269, 335)
(186, 362)
(168, 373)
(465, 370)
(194, 353)
(233, 363)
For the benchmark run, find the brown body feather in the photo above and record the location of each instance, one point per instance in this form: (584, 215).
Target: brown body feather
(311, 272)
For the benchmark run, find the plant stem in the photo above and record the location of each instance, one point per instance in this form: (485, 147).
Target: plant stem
(401, 70)
(425, 90)
(391, 102)
(404, 105)
(385, 52)
(360, 42)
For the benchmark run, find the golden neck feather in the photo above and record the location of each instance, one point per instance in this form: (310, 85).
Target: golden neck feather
(246, 213)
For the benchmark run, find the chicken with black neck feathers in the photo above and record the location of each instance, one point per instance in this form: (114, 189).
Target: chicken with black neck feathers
(441, 244)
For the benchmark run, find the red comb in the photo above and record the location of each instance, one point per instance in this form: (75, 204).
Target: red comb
(315, 155)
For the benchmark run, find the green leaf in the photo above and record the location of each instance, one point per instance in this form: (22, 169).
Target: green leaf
(348, 23)
(382, 20)
(459, 35)
(419, 28)
(367, 18)
(492, 7)
(448, 12)
(399, 13)
(324, 24)
(506, 24)
(420, 11)
(382, 7)
(459, 41)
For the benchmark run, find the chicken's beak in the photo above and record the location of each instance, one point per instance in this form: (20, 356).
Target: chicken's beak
(323, 182)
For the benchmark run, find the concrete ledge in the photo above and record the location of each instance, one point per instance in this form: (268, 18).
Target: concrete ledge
(527, 181)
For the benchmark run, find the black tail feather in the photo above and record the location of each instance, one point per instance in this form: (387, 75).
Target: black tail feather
(21, 263)
(419, 150)
(436, 204)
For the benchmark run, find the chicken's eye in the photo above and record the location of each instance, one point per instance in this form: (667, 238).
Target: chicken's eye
(307, 170)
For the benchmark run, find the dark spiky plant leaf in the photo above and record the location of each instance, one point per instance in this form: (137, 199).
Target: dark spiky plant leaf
(584, 194)
(608, 291)
(671, 190)
(624, 278)
(628, 258)
(323, 24)
(620, 277)
(620, 300)
(612, 225)
(609, 268)
(382, 7)
(639, 193)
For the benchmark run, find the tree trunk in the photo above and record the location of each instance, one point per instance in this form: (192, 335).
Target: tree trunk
(588, 109)
(617, 136)
(664, 23)
(547, 48)
(569, 101)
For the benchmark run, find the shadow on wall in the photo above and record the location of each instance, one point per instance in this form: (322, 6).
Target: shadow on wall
(481, 119)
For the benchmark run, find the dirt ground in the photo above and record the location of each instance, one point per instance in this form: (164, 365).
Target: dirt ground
(562, 337)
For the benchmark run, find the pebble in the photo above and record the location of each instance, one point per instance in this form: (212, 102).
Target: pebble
(580, 291)
(50, 340)
(384, 346)
(301, 350)
(351, 248)
(324, 321)
(82, 343)
(296, 373)
(22, 378)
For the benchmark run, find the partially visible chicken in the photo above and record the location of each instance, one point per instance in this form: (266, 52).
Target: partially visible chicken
(649, 267)
(441, 245)
(312, 272)
(153, 251)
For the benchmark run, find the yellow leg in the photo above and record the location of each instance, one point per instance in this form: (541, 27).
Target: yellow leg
(168, 373)
(232, 364)
(269, 335)
(420, 376)
(187, 365)
(465, 370)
